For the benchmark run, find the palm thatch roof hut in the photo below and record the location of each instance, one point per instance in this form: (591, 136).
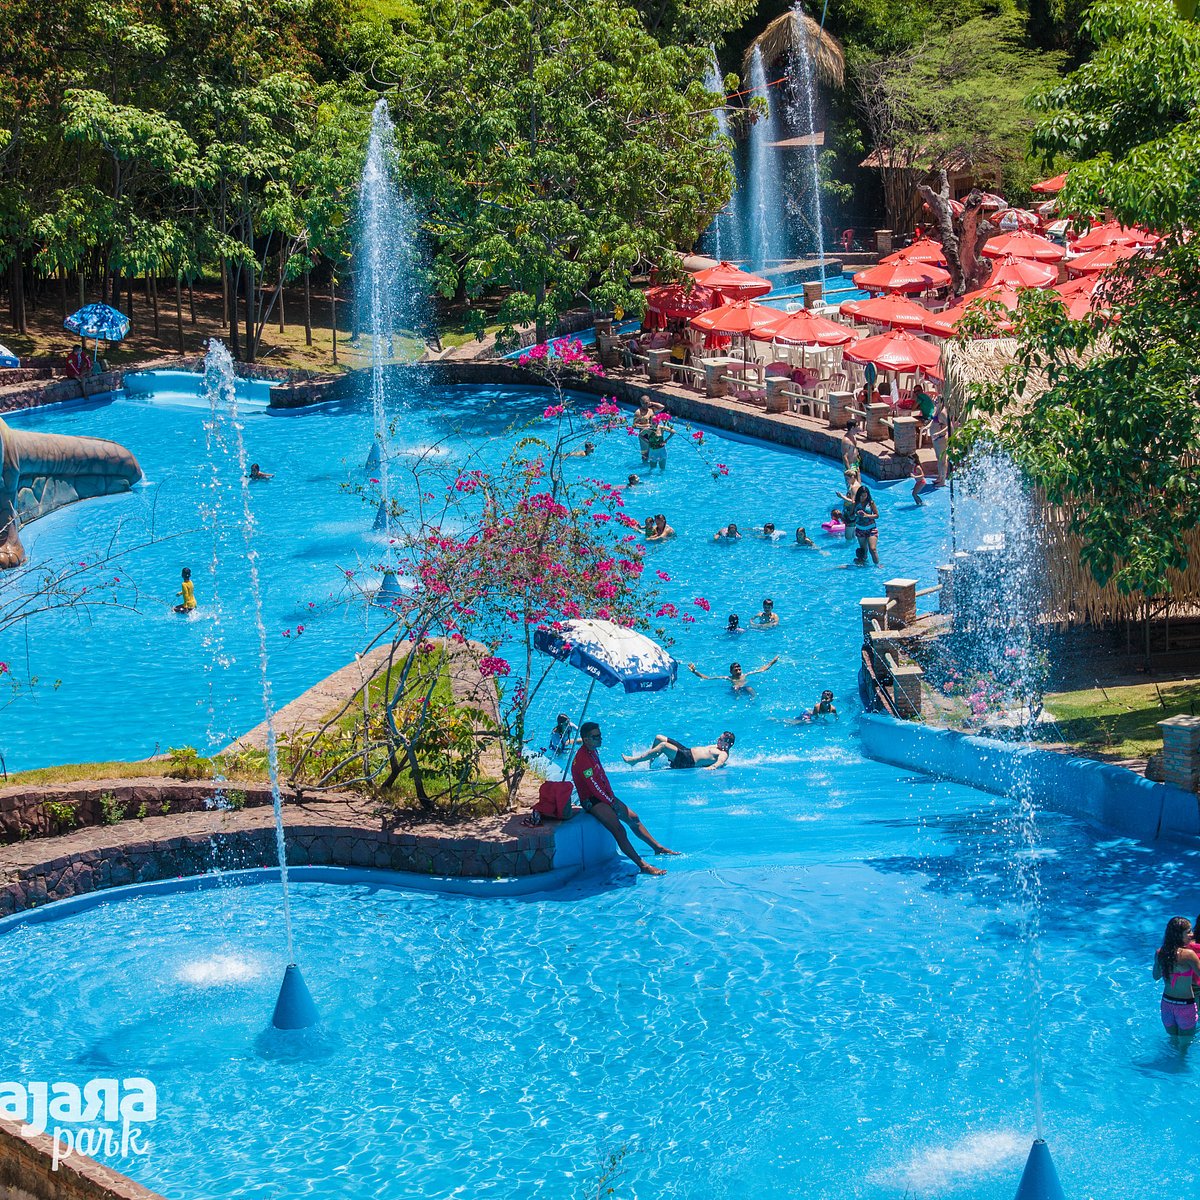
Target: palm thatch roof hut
(783, 35)
(1071, 595)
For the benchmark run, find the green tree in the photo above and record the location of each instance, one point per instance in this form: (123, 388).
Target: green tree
(1103, 414)
(569, 156)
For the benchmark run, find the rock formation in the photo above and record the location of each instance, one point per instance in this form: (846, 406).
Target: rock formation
(44, 471)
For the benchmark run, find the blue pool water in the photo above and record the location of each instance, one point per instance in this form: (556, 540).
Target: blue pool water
(826, 997)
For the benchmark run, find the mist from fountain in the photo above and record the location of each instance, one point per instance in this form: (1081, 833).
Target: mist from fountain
(220, 391)
(1001, 602)
(724, 229)
(803, 116)
(764, 217)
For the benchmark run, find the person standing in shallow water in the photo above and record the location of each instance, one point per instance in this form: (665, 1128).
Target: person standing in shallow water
(596, 795)
(188, 592)
(1178, 966)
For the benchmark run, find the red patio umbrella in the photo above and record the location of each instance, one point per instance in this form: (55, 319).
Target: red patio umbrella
(896, 350)
(1049, 186)
(1101, 260)
(925, 250)
(738, 316)
(1021, 273)
(1017, 218)
(887, 310)
(1023, 244)
(945, 324)
(906, 276)
(675, 300)
(1113, 234)
(1080, 296)
(732, 282)
(804, 328)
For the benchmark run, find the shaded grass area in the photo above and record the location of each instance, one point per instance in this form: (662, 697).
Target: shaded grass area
(1121, 722)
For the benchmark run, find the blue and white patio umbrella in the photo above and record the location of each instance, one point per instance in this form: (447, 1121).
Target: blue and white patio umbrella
(610, 654)
(8, 358)
(98, 321)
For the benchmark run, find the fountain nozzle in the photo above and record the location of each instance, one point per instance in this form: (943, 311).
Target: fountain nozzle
(295, 1008)
(373, 459)
(1039, 1180)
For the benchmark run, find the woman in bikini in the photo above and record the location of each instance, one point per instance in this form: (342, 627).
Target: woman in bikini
(1179, 968)
(866, 526)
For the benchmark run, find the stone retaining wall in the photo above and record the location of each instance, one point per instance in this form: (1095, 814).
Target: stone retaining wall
(33, 395)
(26, 1173)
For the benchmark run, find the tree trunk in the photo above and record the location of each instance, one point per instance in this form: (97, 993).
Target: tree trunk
(16, 297)
(129, 292)
(307, 309)
(152, 284)
(231, 310)
(282, 265)
(62, 292)
(192, 297)
(82, 293)
(333, 315)
(179, 311)
(248, 272)
(224, 293)
(961, 244)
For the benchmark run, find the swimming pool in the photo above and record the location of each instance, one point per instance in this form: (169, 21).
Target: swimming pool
(825, 997)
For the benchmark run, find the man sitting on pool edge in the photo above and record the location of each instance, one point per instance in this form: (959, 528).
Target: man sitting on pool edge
(596, 795)
(681, 757)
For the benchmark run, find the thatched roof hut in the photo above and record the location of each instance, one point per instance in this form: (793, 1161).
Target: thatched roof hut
(1072, 595)
(777, 42)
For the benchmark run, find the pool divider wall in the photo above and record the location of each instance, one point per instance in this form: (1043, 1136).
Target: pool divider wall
(1112, 796)
(27, 1172)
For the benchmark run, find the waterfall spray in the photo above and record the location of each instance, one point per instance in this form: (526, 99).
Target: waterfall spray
(765, 208)
(723, 230)
(806, 119)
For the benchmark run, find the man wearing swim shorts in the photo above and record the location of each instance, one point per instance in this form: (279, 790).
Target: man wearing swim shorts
(596, 795)
(681, 758)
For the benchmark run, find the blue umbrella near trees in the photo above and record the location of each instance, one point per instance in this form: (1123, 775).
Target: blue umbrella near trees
(99, 322)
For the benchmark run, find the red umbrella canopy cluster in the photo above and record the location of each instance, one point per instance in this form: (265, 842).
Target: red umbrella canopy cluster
(924, 250)
(945, 324)
(804, 329)
(1049, 187)
(896, 350)
(737, 317)
(1023, 244)
(732, 282)
(904, 276)
(1113, 234)
(887, 310)
(676, 300)
(1021, 273)
(1101, 260)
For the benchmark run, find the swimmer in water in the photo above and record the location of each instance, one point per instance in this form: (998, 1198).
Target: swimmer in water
(680, 757)
(728, 533)
(822, 709)
(188, 592)
(738, 679)
(802, 538)
(768, 618)
(258, 475)
(735, 625)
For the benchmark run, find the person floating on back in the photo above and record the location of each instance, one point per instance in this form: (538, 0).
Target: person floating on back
(188, 592)
(681, 758)
(596, 796)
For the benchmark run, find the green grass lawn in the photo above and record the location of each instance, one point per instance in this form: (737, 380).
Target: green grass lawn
(1121, 722)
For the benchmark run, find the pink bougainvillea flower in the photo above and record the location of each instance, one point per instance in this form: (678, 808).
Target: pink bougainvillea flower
(663, 576)
(700, 602)
(698, 436)
(491, 665)
(554, 410)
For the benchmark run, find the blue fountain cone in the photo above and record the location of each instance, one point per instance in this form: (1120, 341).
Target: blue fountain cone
(381, 516)
(389, 589)
(1039, 1180)
(295, 1008)
(373, 457)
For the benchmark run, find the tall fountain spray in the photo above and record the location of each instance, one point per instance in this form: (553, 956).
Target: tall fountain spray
(764, 214)
(294, 1008)
(725, 225)
(387, 311)
(1001, 606)
(804, 120)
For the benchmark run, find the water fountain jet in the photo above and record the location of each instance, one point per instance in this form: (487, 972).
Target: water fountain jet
(1039, 1180)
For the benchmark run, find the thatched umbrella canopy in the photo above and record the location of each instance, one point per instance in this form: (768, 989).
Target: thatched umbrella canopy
(785, 33)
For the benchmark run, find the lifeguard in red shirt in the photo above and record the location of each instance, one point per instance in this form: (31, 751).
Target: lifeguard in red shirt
(596, 795)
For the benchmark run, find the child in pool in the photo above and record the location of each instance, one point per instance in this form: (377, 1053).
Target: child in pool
(188, 592)
(822, 709)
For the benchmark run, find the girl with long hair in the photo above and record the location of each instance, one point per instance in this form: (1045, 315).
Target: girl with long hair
(1178, 966)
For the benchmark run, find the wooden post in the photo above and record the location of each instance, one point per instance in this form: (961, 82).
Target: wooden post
(906, 690)
(714, 385)
(777, 402)
(874, 612)
(656, 367)
(904, 593)
(904, 435)
(876, 415)
(840, 404)
(1181, 751)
